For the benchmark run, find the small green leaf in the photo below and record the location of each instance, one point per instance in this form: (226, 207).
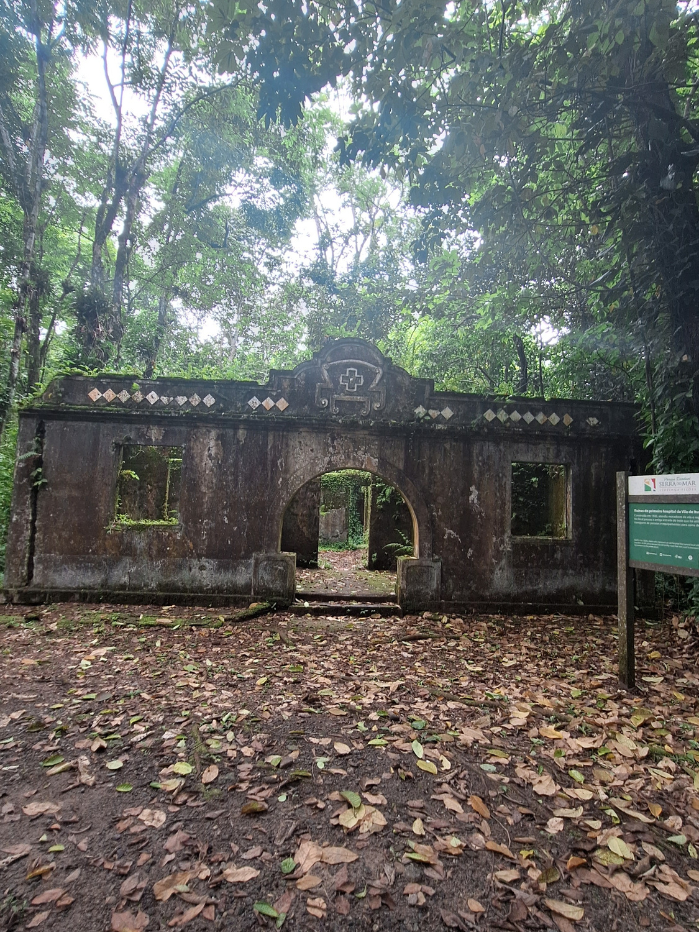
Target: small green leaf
(114, 764)
(377, 743)
(52, 761)
(489, 768)
(361, 727)
(57, 848)
(354, 799)
(428, 766)
(320, 762)
(182, 768)
(418, 749)
(266, 910)
(419, 724)
(577, 776)
(288, 865)
(124, 788)
(678, 839)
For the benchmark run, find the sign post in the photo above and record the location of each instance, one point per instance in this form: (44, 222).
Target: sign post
(657, 529)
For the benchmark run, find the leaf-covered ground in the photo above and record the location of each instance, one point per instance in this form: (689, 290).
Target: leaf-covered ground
(175, 768)
(344, 572)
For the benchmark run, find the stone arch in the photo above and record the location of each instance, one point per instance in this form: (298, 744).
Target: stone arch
(383, 469)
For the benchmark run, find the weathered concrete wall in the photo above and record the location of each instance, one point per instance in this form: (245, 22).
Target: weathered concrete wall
(390, 526)
(333, 526)
(248, 449)
(300, 529)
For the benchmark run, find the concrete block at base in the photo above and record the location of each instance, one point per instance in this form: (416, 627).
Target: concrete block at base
(274, 576)
(418, 583)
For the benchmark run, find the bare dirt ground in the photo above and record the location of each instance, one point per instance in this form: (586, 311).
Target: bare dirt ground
(171, 768)
(344, 572)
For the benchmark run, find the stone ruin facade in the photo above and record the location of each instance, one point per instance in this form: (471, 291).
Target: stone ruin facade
(170, 489)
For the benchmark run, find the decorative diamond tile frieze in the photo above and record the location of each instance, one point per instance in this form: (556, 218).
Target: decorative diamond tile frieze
(282, 404)
(490, 415)
(165, 399)
(593, 421)
(515, 416)
(420, 411)
(502, 416)
(267, 404)
(433, 413)
(447, 413)
(254, 403)
(541, 417)
(209, 400)
(123, 396)
(567, 420)
(554, 419)
(151, 397)
(109, 395)
(137, 397)
(194, 400)
(94, 394)
(528, 417)
(181, 400)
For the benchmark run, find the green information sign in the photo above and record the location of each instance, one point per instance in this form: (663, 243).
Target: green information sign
(664, 534)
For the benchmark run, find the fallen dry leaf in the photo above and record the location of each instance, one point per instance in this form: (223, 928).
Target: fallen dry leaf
(567, 910)
(163, 889)
(183, 918)
(154, 818)
(316, 907)
(35, 809)
(475, 802)
(210, 774)
(309, 882)
(38, 919)
(128, 922)
(240, 874)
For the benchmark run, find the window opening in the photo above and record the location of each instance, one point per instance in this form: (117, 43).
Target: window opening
(540, 500)
(148, 485)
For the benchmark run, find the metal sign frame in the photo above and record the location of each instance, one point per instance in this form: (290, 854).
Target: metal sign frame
(652, 490)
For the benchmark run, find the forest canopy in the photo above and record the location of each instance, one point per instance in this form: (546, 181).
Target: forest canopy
(501, 195)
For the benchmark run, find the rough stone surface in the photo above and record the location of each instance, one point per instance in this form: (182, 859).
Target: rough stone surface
(249, 448)
(300, 529)
(390, 526)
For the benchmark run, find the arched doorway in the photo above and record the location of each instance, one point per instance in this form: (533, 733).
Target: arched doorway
(348, 528)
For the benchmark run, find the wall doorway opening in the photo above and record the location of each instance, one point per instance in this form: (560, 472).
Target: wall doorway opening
(347, 529)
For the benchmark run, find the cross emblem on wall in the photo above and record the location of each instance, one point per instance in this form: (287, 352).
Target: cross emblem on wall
(351, 380)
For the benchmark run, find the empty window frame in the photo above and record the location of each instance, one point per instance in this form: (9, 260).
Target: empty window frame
(540, 500)
(148, 485)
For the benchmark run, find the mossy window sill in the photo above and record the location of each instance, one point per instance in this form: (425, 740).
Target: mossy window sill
(143, 525)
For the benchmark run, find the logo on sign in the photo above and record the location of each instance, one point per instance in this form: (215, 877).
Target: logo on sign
(649, 484)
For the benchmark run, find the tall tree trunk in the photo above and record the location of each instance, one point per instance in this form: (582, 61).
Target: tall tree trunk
(29, 187)
(161, 328)
(523, 381)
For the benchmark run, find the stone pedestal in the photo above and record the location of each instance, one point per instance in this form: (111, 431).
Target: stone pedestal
(418, 584)
(274, 576)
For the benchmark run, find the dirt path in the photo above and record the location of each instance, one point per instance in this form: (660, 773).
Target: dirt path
(344, 572)
(319, 773)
